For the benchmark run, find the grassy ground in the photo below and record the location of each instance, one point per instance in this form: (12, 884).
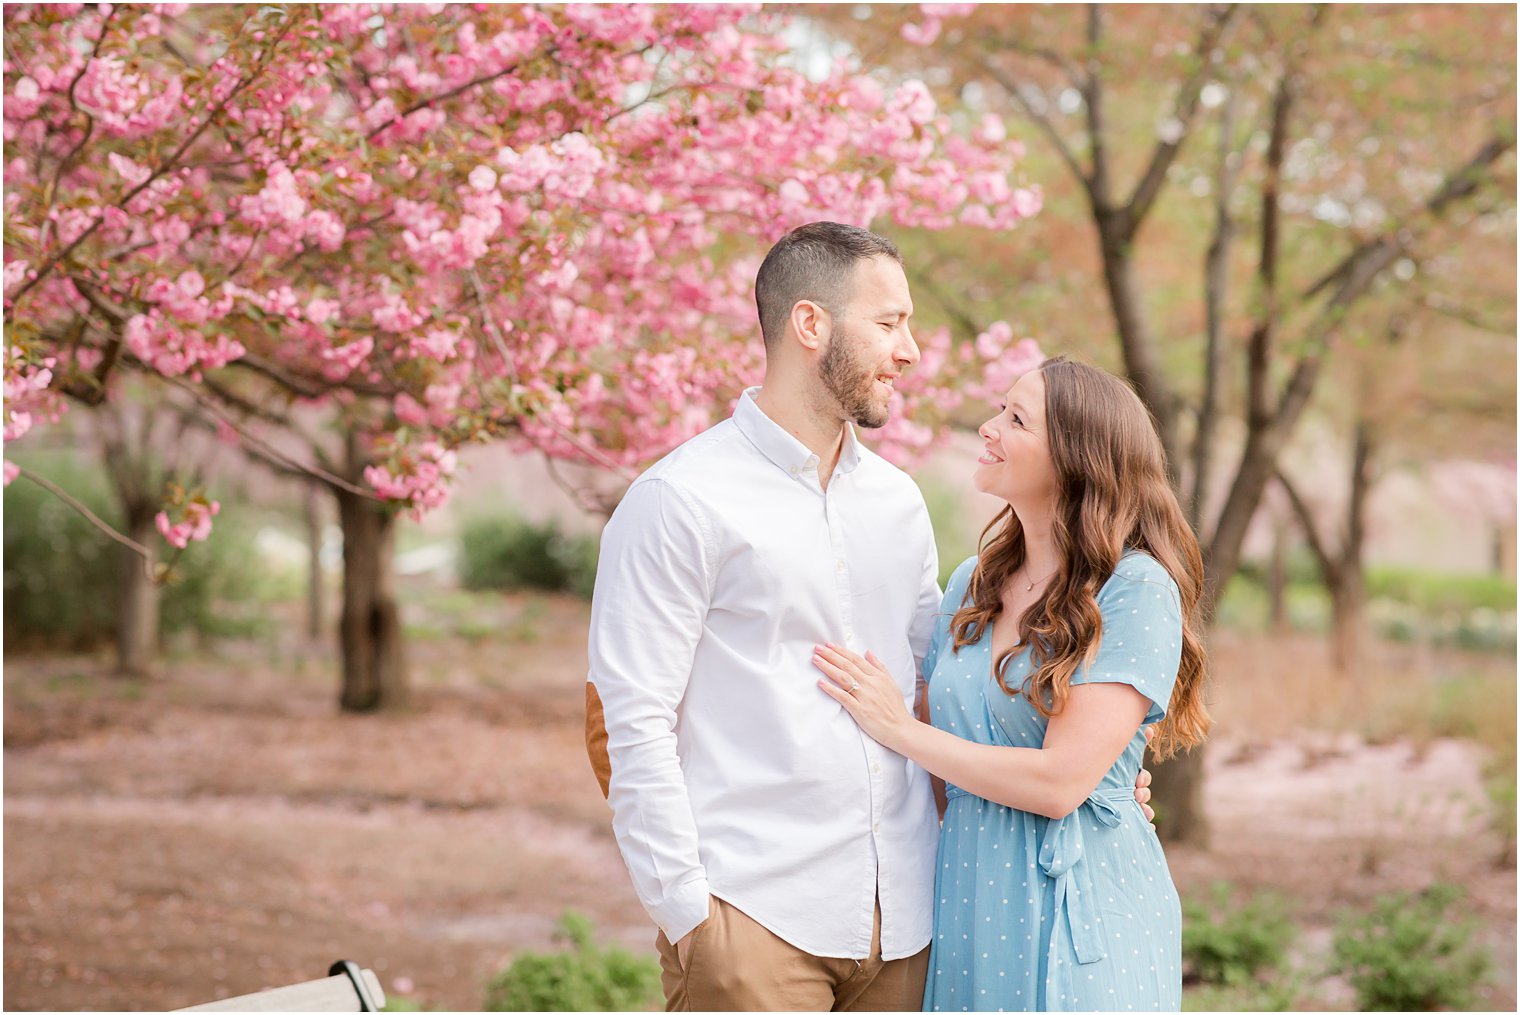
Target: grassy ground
(223, 828)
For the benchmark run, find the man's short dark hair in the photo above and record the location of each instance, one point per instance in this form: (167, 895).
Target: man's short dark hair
(812, 262)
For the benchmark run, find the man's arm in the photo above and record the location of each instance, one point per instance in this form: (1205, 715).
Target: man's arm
(647, 616)
(920, 636)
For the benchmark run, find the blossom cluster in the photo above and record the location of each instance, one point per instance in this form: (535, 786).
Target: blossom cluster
(194, 523)
(419, 477)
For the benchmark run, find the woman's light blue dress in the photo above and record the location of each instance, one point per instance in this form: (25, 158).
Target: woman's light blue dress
(1078, 914)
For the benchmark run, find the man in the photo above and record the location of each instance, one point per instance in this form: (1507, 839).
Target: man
(787, 858)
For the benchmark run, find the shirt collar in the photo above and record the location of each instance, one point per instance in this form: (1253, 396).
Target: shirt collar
(785, 451)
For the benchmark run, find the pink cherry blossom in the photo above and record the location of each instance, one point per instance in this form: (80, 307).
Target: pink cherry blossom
(482, 178)
(921, 34)
(194, 524)
(15, 272)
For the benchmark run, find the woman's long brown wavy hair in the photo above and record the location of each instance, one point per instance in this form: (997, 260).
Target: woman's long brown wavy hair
(1112, 496)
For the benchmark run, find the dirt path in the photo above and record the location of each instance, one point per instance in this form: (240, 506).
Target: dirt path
(222, 829)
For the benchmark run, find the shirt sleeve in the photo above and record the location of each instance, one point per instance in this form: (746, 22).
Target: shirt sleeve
(944, 610)
(1142, 633)
(647, 615)
(926, 613)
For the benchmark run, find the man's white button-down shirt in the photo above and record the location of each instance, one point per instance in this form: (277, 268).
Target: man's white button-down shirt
(733, 774)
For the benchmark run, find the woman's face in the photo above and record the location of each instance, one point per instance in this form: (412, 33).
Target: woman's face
(1015, 462)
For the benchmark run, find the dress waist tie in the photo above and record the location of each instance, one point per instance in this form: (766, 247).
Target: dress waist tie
(1076, 918)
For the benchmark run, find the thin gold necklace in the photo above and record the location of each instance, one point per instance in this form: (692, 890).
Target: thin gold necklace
(1031, 585)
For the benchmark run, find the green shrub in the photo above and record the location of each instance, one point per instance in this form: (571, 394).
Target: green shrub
(1243, 605)
(508, 552)
(1231, 945)
(1474, 612)
(1476, 704)
(1252, 996)
(586, 978)
(1247, 605)
(1499, 782)
(221, 588)
(1299, 568)
(1438, 592)
(62, 574)
(1409, 955)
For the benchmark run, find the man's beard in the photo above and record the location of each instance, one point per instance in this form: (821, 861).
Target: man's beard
(850, 383)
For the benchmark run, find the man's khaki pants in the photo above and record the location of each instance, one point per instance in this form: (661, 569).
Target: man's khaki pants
(734, 964)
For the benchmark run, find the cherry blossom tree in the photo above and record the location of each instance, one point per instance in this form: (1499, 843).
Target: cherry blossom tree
(352, 238)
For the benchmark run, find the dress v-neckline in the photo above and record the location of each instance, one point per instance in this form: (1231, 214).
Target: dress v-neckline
(992, 654)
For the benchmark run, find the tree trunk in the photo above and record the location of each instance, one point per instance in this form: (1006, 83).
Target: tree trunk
(1277, 578)
(369, 629)
(1134, 337)
(137, 614)
(1178, 788)
(1348, 594)
(314, 604)
(1216, 282)
(1178, 798)
(1504, 550)
(1348, 620)
(1221, 558)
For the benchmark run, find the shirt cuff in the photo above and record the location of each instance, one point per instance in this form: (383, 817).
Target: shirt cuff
(683, 909)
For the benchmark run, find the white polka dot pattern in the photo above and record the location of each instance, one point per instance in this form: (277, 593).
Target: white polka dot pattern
(1008, 935)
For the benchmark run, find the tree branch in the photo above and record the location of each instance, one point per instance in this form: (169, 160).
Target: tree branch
(1216, 282)
(1144, 196)
(90, 516)
(1100, 187)
(1361, 267)
(458, 89)
(249, 408)
(268, 451)
(116, 315)
(1436, 303)
(303, 387)
(592, 453)
(1016, 90)
(164, 167)
(924, 281)
(89, 127)
(1459, 184)
(257, 454)
(586, 500)
(1259, 349)
(1050, 56)
(1329, 566)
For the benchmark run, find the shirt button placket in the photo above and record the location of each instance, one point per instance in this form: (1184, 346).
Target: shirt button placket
(841, 563)
(835, 524)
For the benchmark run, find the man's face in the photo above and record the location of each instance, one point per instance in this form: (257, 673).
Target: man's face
(869, 343)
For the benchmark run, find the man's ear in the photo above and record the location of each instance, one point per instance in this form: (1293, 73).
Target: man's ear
(812, 323)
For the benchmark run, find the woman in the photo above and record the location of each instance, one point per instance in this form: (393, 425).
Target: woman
(1069, 633)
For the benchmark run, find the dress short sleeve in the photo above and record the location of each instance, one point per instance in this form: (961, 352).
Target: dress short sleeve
(1142, 632)
(955, 591)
